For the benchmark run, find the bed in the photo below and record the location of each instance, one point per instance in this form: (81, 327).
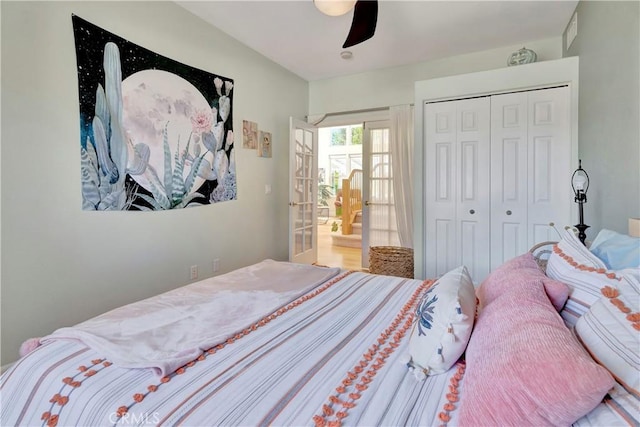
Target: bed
(285, 344)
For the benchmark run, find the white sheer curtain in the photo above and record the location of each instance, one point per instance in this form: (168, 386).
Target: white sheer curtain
(401, 146)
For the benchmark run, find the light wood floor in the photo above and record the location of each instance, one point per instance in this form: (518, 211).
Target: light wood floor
(336, 256)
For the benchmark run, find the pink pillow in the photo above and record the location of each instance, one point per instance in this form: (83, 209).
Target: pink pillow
(522, 269)
(557, 292)
(524, 367)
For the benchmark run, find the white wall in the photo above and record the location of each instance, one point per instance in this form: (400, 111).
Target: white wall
(395, 86)
(62, 265)
(608, 44)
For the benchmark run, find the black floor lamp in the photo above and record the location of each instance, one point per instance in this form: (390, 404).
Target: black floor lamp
(580, 185)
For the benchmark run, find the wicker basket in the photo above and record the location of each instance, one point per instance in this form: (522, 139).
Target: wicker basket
(391, 261)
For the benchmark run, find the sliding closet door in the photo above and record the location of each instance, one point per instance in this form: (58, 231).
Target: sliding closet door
(473, 215)
(530, 169)
(549, 163)
(509, 153)
(440, 187)
(457, 186)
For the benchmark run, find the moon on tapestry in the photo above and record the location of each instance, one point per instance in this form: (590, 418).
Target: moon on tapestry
(155, 134)
(156, 101)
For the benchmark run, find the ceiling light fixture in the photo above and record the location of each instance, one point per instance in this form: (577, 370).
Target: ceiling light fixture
(346, 54)
(334, 7)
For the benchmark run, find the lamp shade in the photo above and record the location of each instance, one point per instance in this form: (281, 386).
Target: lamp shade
(580, 183)
(634, 227)
(334, 7)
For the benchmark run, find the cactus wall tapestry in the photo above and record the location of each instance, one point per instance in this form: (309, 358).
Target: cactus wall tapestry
(155, 134)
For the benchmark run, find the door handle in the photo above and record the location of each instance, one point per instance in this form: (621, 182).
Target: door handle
(509, 212)
(366, 203)
(293, 204)
(472, 211)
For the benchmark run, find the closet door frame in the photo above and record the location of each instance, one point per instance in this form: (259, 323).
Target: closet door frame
(524, 77)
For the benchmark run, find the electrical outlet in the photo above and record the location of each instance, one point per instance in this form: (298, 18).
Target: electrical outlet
(216, 265)
(194, 272)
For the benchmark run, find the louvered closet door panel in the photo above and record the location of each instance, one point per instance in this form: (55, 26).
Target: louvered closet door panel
(509, 123)
(548, 163)
(472, 207)
(440, 187)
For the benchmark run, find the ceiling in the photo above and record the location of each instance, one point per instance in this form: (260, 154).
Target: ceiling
(297, 36)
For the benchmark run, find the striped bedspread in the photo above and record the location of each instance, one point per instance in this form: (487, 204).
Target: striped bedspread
(331, 357)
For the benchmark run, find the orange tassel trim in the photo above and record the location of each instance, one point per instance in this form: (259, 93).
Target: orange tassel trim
(379, 352)
(61, 399)
(444, 417)
(265, 320)
(613, 295)
(53, 421)
(607, 291)
(573, 263)
(634, 317)
(318, 421)
(452, 397)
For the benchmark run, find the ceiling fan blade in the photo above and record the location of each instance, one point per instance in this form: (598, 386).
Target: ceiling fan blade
(363, 26)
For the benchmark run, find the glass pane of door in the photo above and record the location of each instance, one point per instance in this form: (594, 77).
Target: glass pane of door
(383, 230)
(302, 200)
(379, 217)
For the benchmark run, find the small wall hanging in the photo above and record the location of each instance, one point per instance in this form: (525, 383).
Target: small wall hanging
(155, 134)
(265, 144)
(249, 134)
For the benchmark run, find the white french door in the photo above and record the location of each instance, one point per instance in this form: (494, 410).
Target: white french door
(303, 177)
(379, 226)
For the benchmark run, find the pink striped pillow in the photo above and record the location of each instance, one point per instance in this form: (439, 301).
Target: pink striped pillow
(572, 263)
(609, 330)
(524, 367)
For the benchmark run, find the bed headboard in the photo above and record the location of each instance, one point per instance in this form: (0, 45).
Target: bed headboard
(541, 252)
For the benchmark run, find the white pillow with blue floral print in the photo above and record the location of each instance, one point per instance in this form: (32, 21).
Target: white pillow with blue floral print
(443, 323)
